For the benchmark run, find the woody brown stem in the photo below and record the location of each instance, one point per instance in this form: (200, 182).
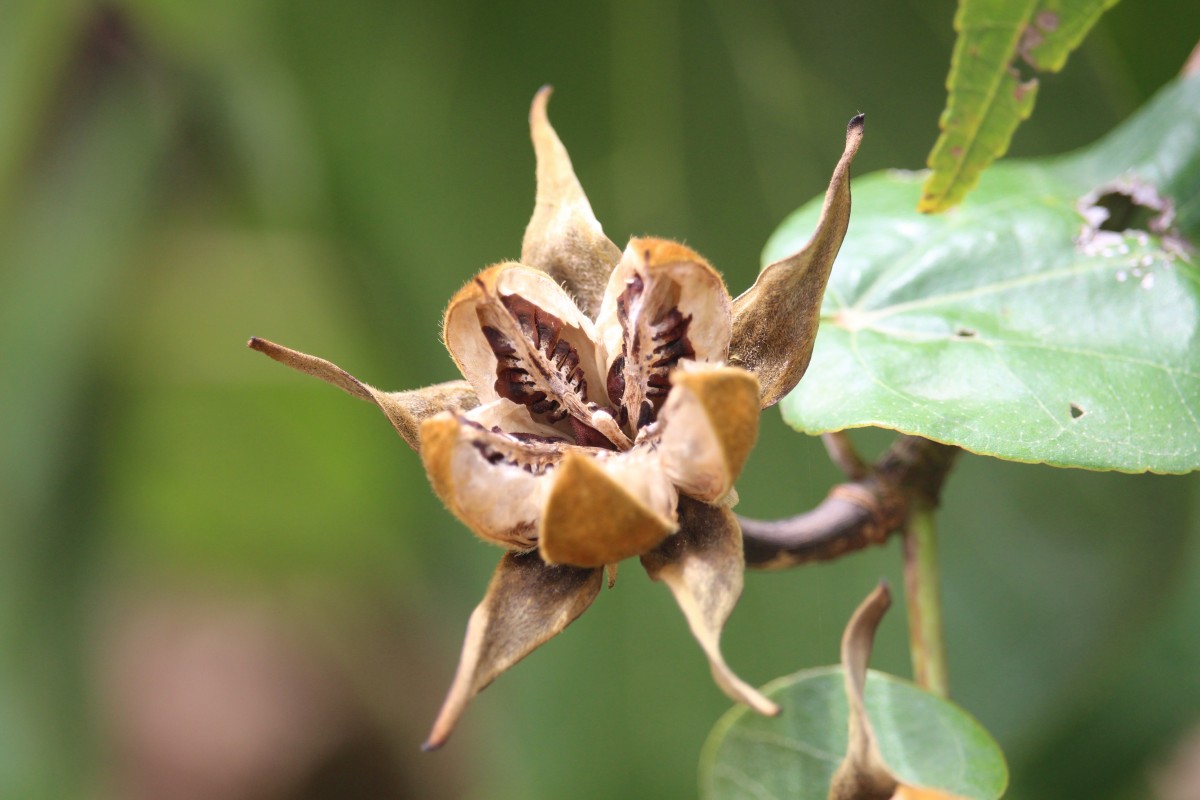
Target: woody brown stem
(855, 514)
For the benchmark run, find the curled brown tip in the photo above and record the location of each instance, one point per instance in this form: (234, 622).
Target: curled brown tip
(856, 128)
(268, 348)
(537, 111)
(311, 365)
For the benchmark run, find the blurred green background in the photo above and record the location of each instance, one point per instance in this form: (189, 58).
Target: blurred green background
(220, 579)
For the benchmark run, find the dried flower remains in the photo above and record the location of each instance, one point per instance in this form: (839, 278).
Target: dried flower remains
(611, 399)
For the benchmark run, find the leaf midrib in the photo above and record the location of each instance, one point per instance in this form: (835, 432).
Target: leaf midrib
(867, 317)
(992, 93)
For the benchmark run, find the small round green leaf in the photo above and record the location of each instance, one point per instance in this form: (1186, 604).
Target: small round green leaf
(1020, 325)
(924, 740)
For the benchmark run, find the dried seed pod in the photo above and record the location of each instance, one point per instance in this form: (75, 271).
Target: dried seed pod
(598, 420)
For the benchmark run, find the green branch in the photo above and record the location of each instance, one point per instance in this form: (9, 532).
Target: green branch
(922, 587)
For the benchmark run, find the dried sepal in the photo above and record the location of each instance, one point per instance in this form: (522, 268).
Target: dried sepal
(664, 303)
(702, 566)
(493, 482)
(775, 320)
(527, 603)
(603, 510)
(564, 238)
(710, 424)
(863, 774)
(405, 410)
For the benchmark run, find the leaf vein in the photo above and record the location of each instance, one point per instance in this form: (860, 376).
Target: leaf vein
(1100, 355)
(880, 382)
(1186, 407)
(785, 743)
(993, 91)
(983, 291)
(951, 228)
(744, 781)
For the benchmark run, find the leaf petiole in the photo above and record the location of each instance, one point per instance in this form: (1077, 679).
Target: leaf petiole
(923, 592)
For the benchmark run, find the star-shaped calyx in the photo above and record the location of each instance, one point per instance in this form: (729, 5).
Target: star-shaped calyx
(610, 401)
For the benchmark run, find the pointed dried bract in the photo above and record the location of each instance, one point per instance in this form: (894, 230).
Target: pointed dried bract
(863, 774)
(405, 410)
(564, 238)
(702, 566)
(775, 320)
(527, 603)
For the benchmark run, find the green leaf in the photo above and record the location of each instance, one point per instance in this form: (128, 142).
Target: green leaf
(995, 329)
(988, 97)
(925, 740)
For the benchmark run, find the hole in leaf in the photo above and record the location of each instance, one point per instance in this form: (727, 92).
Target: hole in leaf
(1128, 204)
(1125, 212)
(965, 333)
(1022, 69)
(1076, 411)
